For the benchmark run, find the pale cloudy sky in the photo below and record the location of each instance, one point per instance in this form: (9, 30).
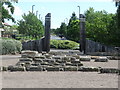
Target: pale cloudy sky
(65, 0)
(61, 10)
(18, 11)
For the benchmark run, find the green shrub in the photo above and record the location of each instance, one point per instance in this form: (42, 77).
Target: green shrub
(9, 46)
(63, 44)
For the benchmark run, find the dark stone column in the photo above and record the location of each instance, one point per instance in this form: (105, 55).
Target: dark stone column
(82, 34)
(47, 32)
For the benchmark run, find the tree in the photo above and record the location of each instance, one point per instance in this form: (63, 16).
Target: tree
(118, 14)
(70, 31)
(30, 25)
(63, 29)
(73, 30)
(5, 13)
(97, 23)
(114, 32)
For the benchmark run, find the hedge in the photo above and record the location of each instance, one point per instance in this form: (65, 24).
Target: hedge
(64, 44)
(10, 46)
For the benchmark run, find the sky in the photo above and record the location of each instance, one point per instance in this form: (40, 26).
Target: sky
(61, 10)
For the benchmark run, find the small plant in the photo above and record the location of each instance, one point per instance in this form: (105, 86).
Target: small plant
(10, 46)
(63, 44)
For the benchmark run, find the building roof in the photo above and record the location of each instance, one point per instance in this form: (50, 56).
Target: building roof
(6, 24)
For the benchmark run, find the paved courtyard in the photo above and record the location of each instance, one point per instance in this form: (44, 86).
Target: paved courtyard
(58, 79)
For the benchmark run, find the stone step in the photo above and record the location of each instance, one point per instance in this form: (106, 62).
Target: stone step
(51, 68)
(26, 59)
(34, 68)
(28, 53)
(101, 59)
(16, 68)
(88, 69)
(70, 68)
(109, 70)
(85, 58)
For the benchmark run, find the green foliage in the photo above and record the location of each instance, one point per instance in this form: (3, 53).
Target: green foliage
(73, 31)
(70, 31)
(63, 44)
(118, 14)
(101, 27)
(63, 29)
(9, 46)
(30, 25)
(5, 12)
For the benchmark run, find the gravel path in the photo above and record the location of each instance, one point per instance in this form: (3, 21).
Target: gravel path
(7, 60)
(58, 80)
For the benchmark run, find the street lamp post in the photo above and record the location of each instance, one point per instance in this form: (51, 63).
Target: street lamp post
(33, 8)
(39, 16)
(67, 20)
(36, 13)
(79, 11)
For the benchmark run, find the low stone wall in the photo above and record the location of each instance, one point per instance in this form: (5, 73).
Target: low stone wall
(35, 45)
(92, 48)
(98, 48)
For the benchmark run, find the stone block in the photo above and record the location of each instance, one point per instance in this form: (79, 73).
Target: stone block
(88, 69)
(24, 56)
(75, 61)
(3, 68)
(26, 59)
(51, 68)
(76, 56)
(38, 60)
(74, 64)
(70, 68)
(63, 64)
(72, 58)
(42, 57)
(68, 63)
(22, 63)
(85, 58)
(66, 58)
(61, 69)
(16, 68)
(29, 53)
(57, 57)
(56, 63)
(36, 64)
(48, 56)
(49, 60)
(94, 57)
(44, 63)
(52, 53)
(79, 64)
(101, 59)
(34, 68)
(38, 55)
(109, 70)
(59, 61)
(113, 57)
(43, 53)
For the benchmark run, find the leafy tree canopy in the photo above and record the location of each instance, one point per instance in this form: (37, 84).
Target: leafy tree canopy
(5, 14)
(30, 25)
